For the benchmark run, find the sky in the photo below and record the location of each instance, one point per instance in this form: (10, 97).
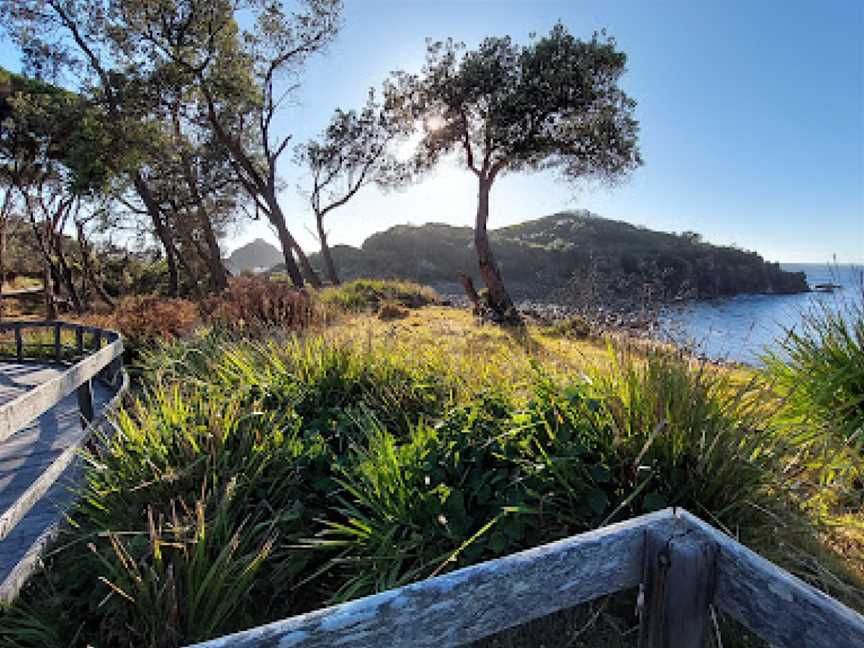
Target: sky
(751, 113)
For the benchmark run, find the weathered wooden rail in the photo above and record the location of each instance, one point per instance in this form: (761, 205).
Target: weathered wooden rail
(83, 355)
(681, 565)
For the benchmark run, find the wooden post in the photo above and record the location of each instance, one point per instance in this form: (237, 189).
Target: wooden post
(85, 403)
(677, 588)
(97, 339)
(79, 341)
(58, 349)
(19, 344)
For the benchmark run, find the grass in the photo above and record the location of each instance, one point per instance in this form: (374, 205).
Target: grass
(257, 477)
(364, 294)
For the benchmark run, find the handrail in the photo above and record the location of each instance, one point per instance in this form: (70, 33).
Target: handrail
(14, 581)
(30, 405)
(484, 599)
(102, 363)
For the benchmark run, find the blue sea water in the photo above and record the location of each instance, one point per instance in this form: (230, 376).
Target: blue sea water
(741, 328)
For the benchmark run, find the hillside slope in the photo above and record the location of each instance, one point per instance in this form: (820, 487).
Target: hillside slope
(254, 256)
(557, 254)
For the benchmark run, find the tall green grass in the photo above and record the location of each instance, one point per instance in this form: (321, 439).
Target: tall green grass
(819, 373)
(255, 480)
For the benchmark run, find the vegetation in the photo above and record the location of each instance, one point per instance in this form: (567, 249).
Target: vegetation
(287, 448)
(819, 370)
(553, 104)
(572, 257)
(363, 294)
(255, 477)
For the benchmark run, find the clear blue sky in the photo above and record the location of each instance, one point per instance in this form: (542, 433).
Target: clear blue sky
(752, 119)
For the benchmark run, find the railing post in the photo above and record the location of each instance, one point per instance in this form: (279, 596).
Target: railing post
(19, 344)
(85, 403)
(677, 588)
(79, 341)
(58, 350)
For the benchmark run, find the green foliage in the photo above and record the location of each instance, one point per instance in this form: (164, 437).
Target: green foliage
(363, 294)
(255, 480)
(819, 372)
(554, 103)
(544, 258)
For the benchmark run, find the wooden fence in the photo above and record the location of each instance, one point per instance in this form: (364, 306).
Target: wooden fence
(681, 565)
(88, 354)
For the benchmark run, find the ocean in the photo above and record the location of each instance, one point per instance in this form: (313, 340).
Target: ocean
(742, 328)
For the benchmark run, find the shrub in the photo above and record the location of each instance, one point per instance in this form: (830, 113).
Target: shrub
(575, 326)
(368, 294)
(251, 302)
(144, 320)
(388, 311)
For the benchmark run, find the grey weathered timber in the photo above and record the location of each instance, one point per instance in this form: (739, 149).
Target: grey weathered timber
(677, 588)
(475, 602)
(30, 405)
(21, 550)
(775, 605)
(43, 428)
(79, 340)
(85, 402)
(479, 601)
(58, 347)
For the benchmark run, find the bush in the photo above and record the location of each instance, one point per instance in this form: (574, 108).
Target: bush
(252, 302)
(144, 320)
(368, 294)
(575, 326)
(388, 311)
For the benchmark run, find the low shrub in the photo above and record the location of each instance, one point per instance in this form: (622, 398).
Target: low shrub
(389, 311)
(253, 302)
(145, 320)
(368, 294)
(576, 326)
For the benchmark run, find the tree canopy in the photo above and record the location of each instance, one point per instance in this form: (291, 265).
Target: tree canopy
(554, 103)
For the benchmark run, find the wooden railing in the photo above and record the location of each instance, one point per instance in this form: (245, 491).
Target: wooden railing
(87, 354)
(682, 566)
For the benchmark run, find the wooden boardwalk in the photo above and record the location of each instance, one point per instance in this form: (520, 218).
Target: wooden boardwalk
(31, 450)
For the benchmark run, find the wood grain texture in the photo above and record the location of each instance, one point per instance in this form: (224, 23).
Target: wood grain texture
(677, 588)
(27, 407)
(20, 552)
(778, 607)
(474, 602)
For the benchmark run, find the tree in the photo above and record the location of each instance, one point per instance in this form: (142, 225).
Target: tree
(244, 76)
(353, 151)
(553, 104)
(153, 157)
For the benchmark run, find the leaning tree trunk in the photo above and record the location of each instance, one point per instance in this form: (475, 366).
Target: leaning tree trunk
(161, 232)
(329, 266)
(306, 267)
(499, 299)
(287, 243)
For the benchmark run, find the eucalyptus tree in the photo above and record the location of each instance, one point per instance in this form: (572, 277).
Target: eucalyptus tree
(353, 151)
(244, 70)
(79, 39)
(554, 104)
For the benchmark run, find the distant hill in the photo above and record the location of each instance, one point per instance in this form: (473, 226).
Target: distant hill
(254, 257)
(541, 258)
